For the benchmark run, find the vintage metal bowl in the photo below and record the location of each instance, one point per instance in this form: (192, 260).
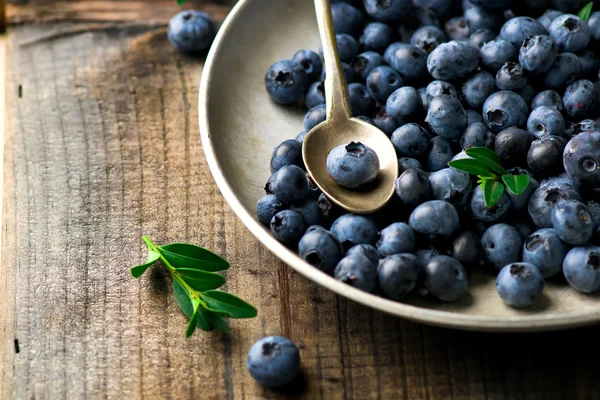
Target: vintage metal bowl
(240, 126)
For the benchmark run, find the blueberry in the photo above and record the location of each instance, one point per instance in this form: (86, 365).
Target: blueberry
(466, 248)
(358, 271)
(423, 94)
(504, 109)
(286, 82)
(434, 218)
(520, 284)
(366, 119)
(545, 120)
(445, 278)
(267, 206)
(287, 226)
(361, 101)
(353, 165)
(548, 195)
(439, 153)
(452, 60)
(410, 61)
(492, 5)
(428, 38)
(523, 226)
(538, 53)
(590, 64)
(478, 88)
(191, 31)
(376, 37)
(273, 361)
(483, 213)
(383, 81)
(478, 18)
(396, 238)
(385, 122)
(346, 18)
(481, 37)
(347, 71)
(289, 152)
(565, 70)
(290, 184)
(366, 250)
(315, 116)
(387, 10)
(548, 16)
(473, 117)
(438, 87)
(315, 95)
(502, 245)
(512, 145)
(413, 188)
(496, 53)
(311, 62)
(406, 163)
(580, 99)
(347, 47)
(511, 77)
(587, 125)
(570, 33)
(398, 274)
(520, 202)
(300, 137)
(594, 209)
(452, 186)
(352, 229)
(457, 28)
(546, 251)
(320, 249)
(548, 98)
(425, 255)
(410, 140)
(582, 159)
(582, 268)
(573, 222)
(446, 116)
(439, 7)
(477, 135)
(309, 210)
(594, 25)
(328, 211)
(545, 156)
(517, 29)
(527, 93)
(404, 104)
(366, 62)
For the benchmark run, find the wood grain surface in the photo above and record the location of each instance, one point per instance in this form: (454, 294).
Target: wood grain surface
(102, 146)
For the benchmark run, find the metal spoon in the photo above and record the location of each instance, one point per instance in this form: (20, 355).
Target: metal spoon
(341, 128)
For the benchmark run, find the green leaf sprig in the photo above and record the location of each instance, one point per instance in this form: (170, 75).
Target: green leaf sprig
(586, 11)
(493, 177)
(194, 285)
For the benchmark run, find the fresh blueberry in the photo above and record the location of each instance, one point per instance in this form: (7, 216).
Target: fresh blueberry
(546, 251)
(385, 122)
(495, 53)
(520, 202)
(273, 361)
(267, 206)
(366, 119)
(590, 64)
(481, 37)
(346, 18)
(446, 116)
(582, 268)
(425, 255)
(452, 186)
(315, 95)
(504, 109)
(404, 104)
(289, 184)
(520, 284)
(353, 165)
(286, 82)
(328, 210)
(439, 153)
(398, 274)
(438, 7)
(473, 117)
(594, 209)
(423, 94)
(492, 5)
(457, 28)
(512, 145)
(548, 98)
(410, 140)
(352, 229)
(477, 135)
(511, 77)
(527, 92)
(396, 238)
(315, 116)
(309, 210)
(413, 188)
(466, 248)
(580, 99)
(387, 10)
(478, 18)
(428, 38)
(366, 62)
(573, 222)
(523, 226)
(538, 53)
(545, 120)
(478, 88)
(320, 249)
(383, 81)
(347, 47)
(452, 60)
(361, 101)
(300, 137)
(548, 195)
(445, 278)
(410, 61)
(376, 37)
(366, 250)
(502, 245)
(594, 25)
(570, 33)
(434, 218)
(545, 156)
(191, 31)
(587, 125)
(438, 87)
(358, 271)
(347, 71)
(517, 29)
(287, 226)
(582, 159)
(406, 163)
(548, 16)
(289, 152)
(311, 62)
(481, 212)
(565, 70)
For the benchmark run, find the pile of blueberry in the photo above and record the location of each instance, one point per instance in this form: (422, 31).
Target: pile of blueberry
(438, 77)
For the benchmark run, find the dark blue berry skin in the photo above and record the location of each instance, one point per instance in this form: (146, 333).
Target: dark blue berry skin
(347, 47)
(580, 99)
(366, 250)
(300, 137)
(565, 70)
(320, 249)
(423, 94)
(267, 206)
(410, 140)
(477, 135)
(517, 29)
(452, 60)
(387, 11)
(404, 104)
(398, 274)
(478, 18)
(396, 238)
(546, 121)
(537, 54)
(504, 109)
(452, 186)
(439, 7)
(523, 226)
(347, 71)
(352, 229)
(366, 62)
(511, 77)
(570, 33)
(289, 152)
(594, 25)
(545, 156)
(473, 117)
(478, 88)
(406, 163)
(290, 184)
(439, 153)
(492, 4)
(502, 244)
(520, 284)
(410, 61)
(497, 52)
(512, 145)
(357, 271)
(361, 102)
(347, 19)
(481, 37)
(457, 28)
(587, 125)
(288, 226)
(286, 82)
(519, 202)
(466, 248)
(573, 222)
(582, 268)
(582, 159)
(428, 38)
(385, 122)
(311, 62)
(527, 93)
(547, 196)
(546, 251)
(352, 165)
(413, 188)
(438, 87)
(376, 36)
(548, 98)
(383, 81)
(366, 119)
(315, 116)
(315, 95)
(590, 64)
(434, 218)
(273, 361)
(191, 31)
(445, 278)
(548, 16)
(446, 116)
(481, 212)
(425, 255)
(309, 210)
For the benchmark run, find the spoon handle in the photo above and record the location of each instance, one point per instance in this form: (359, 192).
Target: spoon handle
(336, 91)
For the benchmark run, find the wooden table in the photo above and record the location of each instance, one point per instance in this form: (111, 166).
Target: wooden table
(102, 146)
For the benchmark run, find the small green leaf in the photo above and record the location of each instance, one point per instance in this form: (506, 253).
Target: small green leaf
(218, 322)
(184, 255)
(492, 191)
(192, 325)
(516, 184)
(204, 320)
(586, 11)
(201, 280)
(228, 305)
(139, 270)
(472, 167)
(488, 157)
(182, 298)
(181, 2)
